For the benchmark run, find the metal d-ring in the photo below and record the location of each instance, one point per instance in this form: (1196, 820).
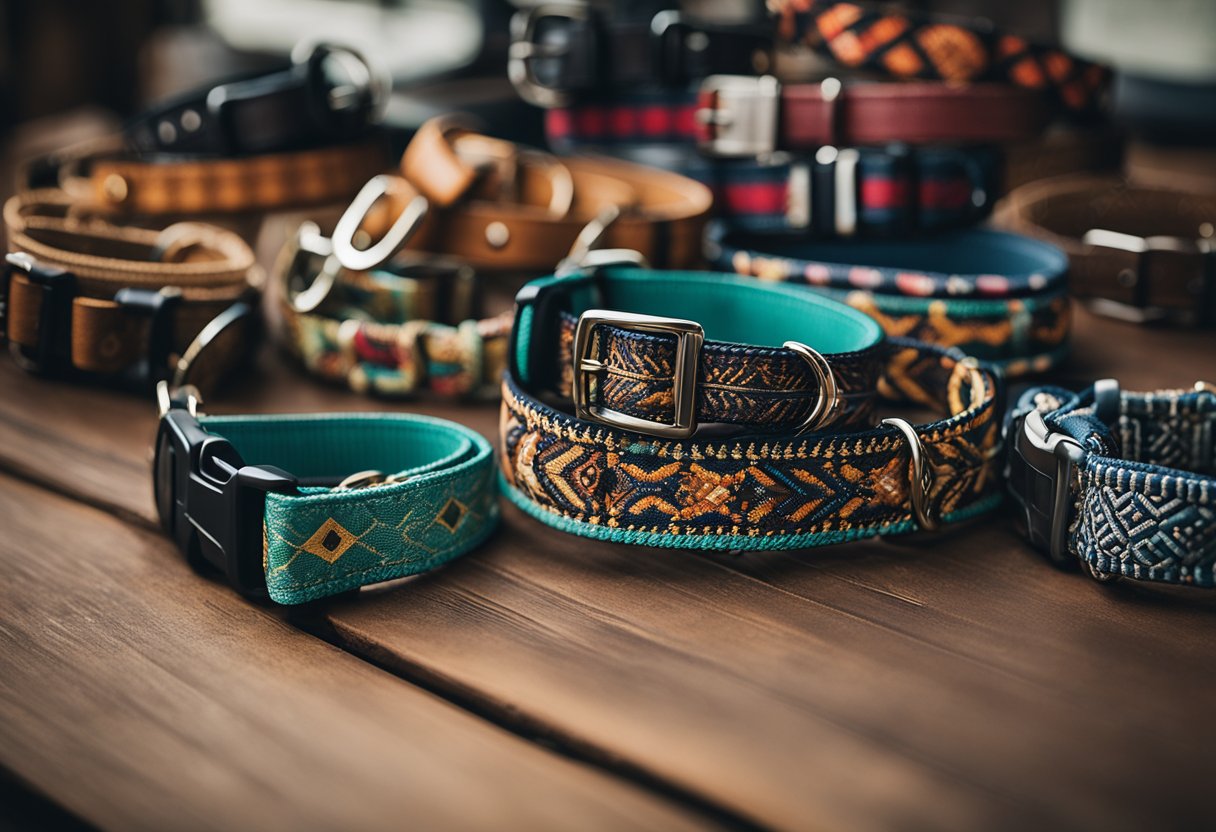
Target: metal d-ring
(829, 394)
(377, 254)
(234, 314)
(922, 475)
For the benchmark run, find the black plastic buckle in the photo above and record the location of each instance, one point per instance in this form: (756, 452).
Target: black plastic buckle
(1041, 465)
(53, 352)
(547, 300)
(160, 307)
(210, 502)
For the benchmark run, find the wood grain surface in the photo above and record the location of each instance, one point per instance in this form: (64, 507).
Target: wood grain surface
(953, 682)
(140, 697)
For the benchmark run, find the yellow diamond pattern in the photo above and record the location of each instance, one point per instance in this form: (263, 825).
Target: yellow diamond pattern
(451, 514)
(329, 542)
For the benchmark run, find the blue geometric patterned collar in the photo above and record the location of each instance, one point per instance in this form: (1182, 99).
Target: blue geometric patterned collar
(1124, 483)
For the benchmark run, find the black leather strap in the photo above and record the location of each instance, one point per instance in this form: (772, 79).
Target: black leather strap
(326, 95)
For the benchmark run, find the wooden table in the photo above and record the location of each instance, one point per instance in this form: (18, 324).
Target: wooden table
(955, 681)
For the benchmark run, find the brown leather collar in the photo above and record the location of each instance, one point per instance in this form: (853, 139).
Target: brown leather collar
(1141, 253)
(747, 115)
(86, 296)
(102, 177)
(504, 208)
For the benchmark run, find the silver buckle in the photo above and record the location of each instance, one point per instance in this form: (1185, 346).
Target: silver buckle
(1145, 248)
(689, 337)
(524, 49)
(306, 246)
(743, 120)
(379, 253)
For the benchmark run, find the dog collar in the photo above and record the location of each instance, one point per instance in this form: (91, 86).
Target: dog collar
(128, 305)
(752, 489)
(269, 501)
(401, 329)
(1121, 482)
(605, 338)
(1000, 297)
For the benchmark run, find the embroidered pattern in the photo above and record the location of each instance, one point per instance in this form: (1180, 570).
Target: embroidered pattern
(983, 315)
(907, 47)
(702, 494)
(372, 334)
(1147, 501)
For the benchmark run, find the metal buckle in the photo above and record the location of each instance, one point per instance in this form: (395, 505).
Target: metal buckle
(307, 245)
(921, 484)
(1146, 248)
(379, 253)
(689, 337)
(743, 118)
(364, 98)
(1040, 471)
(524, 49)
(209, 501)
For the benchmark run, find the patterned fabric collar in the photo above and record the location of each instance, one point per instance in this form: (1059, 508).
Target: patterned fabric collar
(1136, 474)
(760, 491)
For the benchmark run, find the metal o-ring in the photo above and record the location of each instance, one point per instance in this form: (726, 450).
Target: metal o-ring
(922, 475)
(829, 394)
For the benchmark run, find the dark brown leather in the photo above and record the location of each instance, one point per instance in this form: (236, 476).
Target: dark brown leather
(916, 113)
(212, 268)
(504, 208)
(1177, 276)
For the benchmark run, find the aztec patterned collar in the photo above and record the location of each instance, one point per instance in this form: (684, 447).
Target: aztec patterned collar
(405, 327)
(998, 296)
(752, 490)
(1122, 482)
(298, 536)
(602, 338)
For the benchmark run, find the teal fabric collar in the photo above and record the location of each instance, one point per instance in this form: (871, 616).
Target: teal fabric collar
(261, 499)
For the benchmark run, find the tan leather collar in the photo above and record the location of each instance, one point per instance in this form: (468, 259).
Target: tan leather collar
(1142, 253)
(501, 207)
(206, 270)
(102, 177)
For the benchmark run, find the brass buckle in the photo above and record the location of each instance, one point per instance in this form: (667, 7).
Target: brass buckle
(689, 338)
(379, 253)
(524, 49)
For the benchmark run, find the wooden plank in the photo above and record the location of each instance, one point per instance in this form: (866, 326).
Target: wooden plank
(139, 697)
(950, 684)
